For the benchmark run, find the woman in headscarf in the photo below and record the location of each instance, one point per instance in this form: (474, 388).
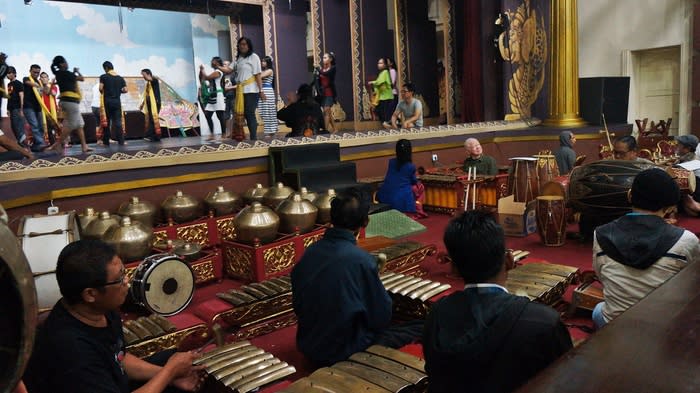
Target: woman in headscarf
(566, 156)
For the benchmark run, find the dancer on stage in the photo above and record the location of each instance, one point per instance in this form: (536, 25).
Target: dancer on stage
(268, 107)
(249, 89)
(70, 102)
(112, 86)
(324, 81)
(49, 91)
(151, 106)
(15, 106)
(215, 96)
(34, 108)
(383, 96)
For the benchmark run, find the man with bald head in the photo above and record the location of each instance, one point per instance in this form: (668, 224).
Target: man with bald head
(485, 165)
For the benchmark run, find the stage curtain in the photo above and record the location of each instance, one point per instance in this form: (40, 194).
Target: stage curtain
(472, 72)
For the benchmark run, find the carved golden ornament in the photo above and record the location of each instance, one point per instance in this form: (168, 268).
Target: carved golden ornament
(311, 240)
(526, 49)
(226, 229)
(409, 261)
(366, 106)
(238, 262)
(279, 258)
(356, 57)
(203, 271)
(262, 328)
(256, 311)
(338, 113)
(168, 341)
(197, 233)
(160, 237)
(129, 272)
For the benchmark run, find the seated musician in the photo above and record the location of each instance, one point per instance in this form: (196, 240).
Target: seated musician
(687, 144)
(483, 339)
(566, 156)
(638, 252)
(625, 148)
(401, 189)
(81, 348)
(485, 165)
(340, 303)
(302, 113)
(409, 111)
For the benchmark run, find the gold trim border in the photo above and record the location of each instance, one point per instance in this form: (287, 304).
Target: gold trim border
(450, 61)
(355, 36)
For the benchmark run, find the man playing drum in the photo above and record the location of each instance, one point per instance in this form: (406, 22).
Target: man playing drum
(483, 339)
(625, 148)
(341, 304)
(81, 348)
(638, 252)
(687, 144)
(485, 165)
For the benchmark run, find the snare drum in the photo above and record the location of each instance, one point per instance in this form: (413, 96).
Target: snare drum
(163, 283)
(523, 182)
(43, 238)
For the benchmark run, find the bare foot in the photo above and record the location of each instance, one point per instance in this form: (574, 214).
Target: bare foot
(86, 149)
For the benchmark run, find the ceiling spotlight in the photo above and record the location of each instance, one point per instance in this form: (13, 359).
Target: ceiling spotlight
(27, 2)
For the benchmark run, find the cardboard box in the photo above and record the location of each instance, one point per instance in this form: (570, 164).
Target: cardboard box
(517, 218)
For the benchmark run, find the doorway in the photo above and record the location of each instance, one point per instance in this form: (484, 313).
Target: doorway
(657, 85)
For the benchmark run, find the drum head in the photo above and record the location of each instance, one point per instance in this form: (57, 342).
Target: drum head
(168, 286)
(17, 308)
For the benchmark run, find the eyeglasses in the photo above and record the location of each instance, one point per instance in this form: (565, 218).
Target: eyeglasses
(120, 280)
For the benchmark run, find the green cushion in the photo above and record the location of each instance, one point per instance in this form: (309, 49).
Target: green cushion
(392, 224)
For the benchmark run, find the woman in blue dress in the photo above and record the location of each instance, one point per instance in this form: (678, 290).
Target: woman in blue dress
(401, 188)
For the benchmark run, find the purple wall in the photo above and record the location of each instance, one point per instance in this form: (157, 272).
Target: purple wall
(336, 29)
(422, 40)
(252, 27)
(291, 63)
(378, 39)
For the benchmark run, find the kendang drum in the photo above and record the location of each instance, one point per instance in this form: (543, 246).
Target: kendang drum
(547, 169)
(558, 186)
(551, 220)
(163, 284)
(600, 188)
(684, 178)
(18, 309)
(524, 181)
(43, 238)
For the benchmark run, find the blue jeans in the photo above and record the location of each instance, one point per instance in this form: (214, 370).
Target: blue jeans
(597, 316)
(36, 122)
(17, 124)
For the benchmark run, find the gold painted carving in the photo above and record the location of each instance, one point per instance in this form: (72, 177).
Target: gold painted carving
(197, 233)
(256, 311)
(279, 258)
(168, 341)
(129, 271)
(356, 57)
(315, 30)
(226, 229)
(238, 262)
(203, 271)
(450, 99)
(263, 328)
(311, 240)
(160, 236)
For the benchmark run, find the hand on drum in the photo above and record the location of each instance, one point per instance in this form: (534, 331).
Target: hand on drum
(187, 376)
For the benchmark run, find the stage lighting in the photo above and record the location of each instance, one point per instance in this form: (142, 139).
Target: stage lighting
(27, 2)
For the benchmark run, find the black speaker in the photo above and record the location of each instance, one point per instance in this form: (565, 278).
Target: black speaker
(607, 95)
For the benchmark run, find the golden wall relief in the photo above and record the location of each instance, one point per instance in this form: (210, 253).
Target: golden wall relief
(524, 45)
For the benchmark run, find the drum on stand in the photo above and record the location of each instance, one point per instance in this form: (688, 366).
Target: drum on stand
(18, 308)
(547, 169)
(42, 239)
(523, 181)
(551, 220)
(684, 178)
(163, 284)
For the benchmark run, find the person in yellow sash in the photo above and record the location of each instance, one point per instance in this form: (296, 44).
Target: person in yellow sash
(4, 70)
(70, 102)
(112, 86)
(249, 87)
(34, 108)
(49, 92)
(150, 106)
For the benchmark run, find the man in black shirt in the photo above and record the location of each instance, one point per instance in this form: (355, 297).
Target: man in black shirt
(151, 97)
(70, 102)
(112, 86)
(80, 347)
(15, 105)
(302, 113)
(483, 339)
(32, 107)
